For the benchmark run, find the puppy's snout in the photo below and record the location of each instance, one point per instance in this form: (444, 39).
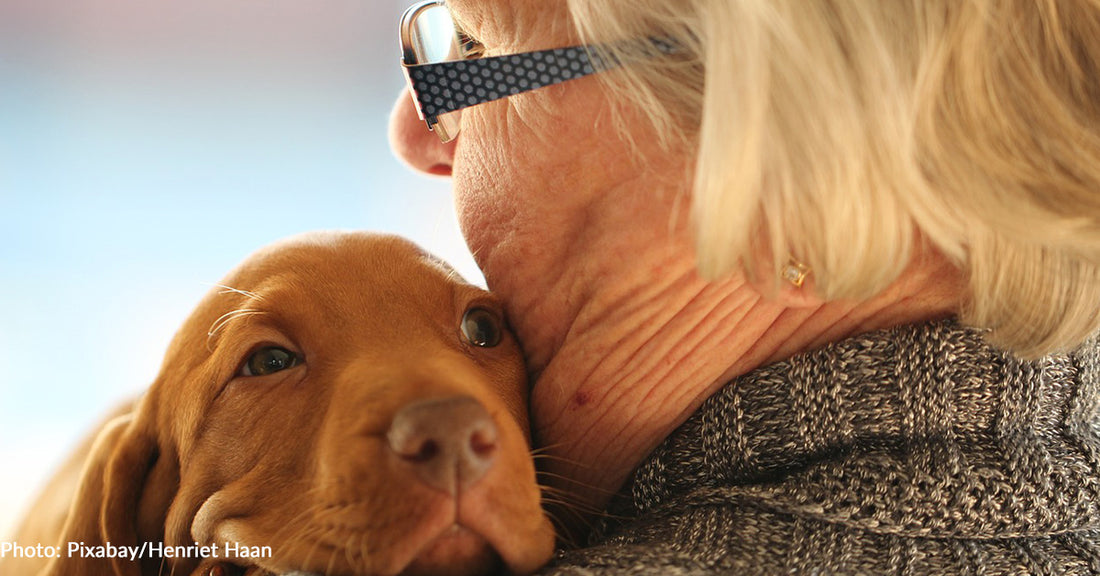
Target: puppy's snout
(452, 442)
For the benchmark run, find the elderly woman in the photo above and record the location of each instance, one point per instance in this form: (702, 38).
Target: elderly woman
(804, 286)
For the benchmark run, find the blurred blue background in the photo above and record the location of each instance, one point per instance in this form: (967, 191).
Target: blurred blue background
(148, 146)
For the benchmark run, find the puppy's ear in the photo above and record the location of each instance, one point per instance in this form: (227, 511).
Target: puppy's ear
(83, 522)
(120, 479)
(138, 486)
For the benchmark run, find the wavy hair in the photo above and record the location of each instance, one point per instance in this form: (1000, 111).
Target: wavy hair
(847, 132)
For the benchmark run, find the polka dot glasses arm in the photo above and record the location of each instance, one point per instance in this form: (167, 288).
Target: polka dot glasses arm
(446, 72)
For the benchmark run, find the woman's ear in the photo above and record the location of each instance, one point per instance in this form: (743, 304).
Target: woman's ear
(792, 286)
(796, 288)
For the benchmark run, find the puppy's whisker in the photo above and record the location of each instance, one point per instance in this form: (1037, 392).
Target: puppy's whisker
(228, 317)
(554, 498)
(292, 524)
(364, 552)
(581, 519)
(564, 500)
(547, 447)
(307, 532)
(296, 520)
(369, 555)
(557, 493)
(346, 548)
(554, 489)
(313, 548)
(349, 550)
(331, 561)
(544, 456)
(334, 549)
(575, 507)
(224, 321)
(556, 501)
(552, 458)
(245, 293)
(361, 549)
(573, 482)
(562, 526)
(562, 534)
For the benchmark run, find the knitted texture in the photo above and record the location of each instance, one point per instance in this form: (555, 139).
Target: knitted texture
(915, 450)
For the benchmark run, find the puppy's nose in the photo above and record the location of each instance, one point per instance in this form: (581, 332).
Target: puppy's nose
(451, 441)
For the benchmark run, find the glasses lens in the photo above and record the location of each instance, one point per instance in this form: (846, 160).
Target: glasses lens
(434, 39)
(434, 35)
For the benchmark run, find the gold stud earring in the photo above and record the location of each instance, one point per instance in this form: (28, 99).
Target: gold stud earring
(795, 272)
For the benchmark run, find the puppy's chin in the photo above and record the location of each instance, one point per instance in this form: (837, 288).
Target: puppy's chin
(455, 552)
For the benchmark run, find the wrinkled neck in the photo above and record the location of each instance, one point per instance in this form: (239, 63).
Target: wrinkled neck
(625, 351)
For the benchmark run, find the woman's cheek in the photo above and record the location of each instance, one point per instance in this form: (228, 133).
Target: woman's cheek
(482, 181)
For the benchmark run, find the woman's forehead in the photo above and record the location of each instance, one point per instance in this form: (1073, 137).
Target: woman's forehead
(507, 21)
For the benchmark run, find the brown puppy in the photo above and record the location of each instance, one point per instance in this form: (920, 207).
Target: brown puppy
(344, 405)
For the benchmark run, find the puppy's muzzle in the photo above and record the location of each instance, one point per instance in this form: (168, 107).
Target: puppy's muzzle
(450, 442)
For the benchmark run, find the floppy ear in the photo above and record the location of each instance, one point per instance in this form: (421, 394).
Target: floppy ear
(114, 489)
(138, 487)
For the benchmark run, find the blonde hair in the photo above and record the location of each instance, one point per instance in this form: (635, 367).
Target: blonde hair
(835, 130)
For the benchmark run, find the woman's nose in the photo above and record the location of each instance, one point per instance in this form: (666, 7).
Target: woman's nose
(413, 143)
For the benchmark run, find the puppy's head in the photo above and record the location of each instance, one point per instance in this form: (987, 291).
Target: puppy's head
(346, 401)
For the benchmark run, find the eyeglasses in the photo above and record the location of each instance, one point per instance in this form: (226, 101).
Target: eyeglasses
(446, 71)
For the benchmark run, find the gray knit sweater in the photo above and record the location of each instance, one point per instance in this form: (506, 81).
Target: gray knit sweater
(916, 450)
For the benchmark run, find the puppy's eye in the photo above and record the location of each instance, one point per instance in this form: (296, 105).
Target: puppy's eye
(269, 360)
(481, 327)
